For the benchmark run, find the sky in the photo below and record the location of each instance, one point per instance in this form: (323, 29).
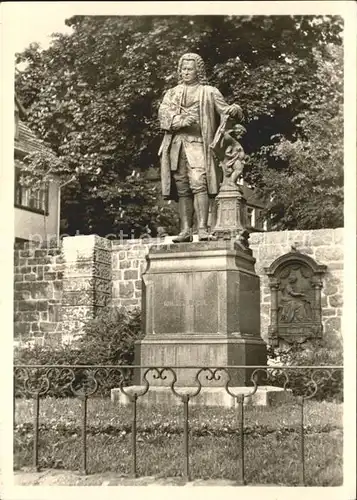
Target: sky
(26, 22)
(33, 23)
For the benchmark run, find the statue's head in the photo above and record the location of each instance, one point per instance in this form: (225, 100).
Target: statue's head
(239, 130)
(191, 68)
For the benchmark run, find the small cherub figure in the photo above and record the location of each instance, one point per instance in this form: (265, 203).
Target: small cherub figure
(229, 151)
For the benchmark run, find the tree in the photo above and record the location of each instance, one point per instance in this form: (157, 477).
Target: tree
(307, 192)
(94, 96)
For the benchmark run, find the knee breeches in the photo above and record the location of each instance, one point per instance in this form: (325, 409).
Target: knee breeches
(190, 176)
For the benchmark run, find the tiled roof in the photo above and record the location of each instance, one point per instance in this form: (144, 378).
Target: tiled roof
(27, 140)
(20, 108)
(251, 197)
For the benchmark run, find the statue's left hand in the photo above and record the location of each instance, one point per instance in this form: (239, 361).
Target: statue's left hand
(235, 110)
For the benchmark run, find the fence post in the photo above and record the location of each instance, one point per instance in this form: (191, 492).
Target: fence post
(133, 434)
(84, 434)
(240, 401)
(302, 442)
(14, 404)
(185, 400)
(35, 430)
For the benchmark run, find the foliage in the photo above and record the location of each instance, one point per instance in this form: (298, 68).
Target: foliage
(107, 340)
(65, 415)
(94, 95)
(312, 353)
(313, 158)
(110, 338)
(38, 167)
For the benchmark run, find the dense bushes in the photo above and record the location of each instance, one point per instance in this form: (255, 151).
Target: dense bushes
(108, 340)
(312, 353)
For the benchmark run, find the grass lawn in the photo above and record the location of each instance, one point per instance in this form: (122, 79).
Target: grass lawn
(271, 440)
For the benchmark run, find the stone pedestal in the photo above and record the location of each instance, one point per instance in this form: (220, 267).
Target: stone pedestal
(201, 308)
(230, 210)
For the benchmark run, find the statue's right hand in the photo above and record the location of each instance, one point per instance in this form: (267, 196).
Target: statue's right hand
(188, 121)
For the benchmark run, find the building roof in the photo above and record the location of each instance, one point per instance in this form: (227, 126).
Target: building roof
(251, 197)
(21, 109)
(27, 141)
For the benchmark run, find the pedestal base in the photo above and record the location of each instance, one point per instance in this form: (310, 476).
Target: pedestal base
(209, 396)
(197, 351)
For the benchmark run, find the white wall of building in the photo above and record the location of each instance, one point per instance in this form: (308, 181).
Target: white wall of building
(34, 226)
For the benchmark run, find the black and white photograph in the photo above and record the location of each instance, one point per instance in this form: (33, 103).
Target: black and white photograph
(178, 248)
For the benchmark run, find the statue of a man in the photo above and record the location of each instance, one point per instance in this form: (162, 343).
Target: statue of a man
(190, 114)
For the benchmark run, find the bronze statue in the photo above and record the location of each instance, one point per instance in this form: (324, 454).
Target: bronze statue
(189, 170)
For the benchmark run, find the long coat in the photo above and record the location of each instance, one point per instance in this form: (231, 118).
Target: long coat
(212, 104)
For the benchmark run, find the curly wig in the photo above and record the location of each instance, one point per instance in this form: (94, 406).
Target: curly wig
(200, 66)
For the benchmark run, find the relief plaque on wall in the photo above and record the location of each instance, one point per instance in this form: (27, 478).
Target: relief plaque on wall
(295, 282)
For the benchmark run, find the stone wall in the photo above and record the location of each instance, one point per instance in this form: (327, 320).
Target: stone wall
(87, 280)
(128, 264)
(325, 246)
(38, 284)
(57, 291)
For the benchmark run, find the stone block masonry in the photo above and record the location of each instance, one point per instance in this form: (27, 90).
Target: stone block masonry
(128, 264)
(86, 281)
(57, 290)
(38, 287)
(325, 246)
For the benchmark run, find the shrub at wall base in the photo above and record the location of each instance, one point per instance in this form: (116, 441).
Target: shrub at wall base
(107, 340)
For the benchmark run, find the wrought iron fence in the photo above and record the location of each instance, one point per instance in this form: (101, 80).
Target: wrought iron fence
(87, 381)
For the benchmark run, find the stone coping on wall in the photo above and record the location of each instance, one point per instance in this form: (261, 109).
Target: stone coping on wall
(315, 237)
(307, 237)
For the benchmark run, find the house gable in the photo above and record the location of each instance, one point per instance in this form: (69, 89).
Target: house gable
(36, 209)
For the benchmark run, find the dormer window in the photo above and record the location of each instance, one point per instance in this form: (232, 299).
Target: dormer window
(34, 200)
(251, 216)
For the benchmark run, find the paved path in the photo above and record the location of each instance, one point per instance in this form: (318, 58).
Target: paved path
(53, 477)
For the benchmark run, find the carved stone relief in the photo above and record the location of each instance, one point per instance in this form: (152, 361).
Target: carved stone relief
(295, 282)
